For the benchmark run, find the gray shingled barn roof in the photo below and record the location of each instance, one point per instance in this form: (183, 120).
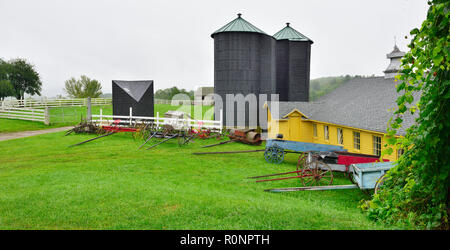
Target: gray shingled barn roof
(361, 103)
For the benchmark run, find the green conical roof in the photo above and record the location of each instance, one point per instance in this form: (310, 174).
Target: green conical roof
(238, 25)
(289, 33)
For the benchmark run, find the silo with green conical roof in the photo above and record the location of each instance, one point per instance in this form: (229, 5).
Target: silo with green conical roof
(293, 53)
(244, 63)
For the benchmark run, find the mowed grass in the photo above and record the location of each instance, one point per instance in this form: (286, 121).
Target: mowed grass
(12, 125)
(110, 184)
(67, 116)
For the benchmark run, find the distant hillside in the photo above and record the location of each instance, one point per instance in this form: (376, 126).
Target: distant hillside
(324, 85)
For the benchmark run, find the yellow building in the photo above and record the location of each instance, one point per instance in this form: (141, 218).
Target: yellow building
(295, 126)
(355, 115)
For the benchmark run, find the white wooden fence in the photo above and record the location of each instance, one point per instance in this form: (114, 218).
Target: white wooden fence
(177, 123)
(29, 114)
(39, 103)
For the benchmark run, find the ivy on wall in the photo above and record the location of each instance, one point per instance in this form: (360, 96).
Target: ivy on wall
(415, 192)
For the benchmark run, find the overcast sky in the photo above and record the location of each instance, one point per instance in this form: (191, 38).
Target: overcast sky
(169, 41)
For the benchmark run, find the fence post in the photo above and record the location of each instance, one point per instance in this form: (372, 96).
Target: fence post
(46, 116)
(221, 120)
(157, 119)
(131, 115)
(89, 110)
(101, 120)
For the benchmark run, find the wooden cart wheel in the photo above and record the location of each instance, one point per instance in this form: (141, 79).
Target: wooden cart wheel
(274, 154)
(379, 183)
(301, 162)
(316, 173)
(167, 129)
(183, 138)
(140, 131)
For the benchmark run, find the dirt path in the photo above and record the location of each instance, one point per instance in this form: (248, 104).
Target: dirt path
(14, 135)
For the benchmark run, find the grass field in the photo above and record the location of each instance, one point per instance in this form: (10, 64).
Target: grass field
(66, 116)
(109, 184)
(11, 125)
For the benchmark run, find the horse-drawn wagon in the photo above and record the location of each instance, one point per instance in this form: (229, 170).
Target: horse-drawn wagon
(317, 162)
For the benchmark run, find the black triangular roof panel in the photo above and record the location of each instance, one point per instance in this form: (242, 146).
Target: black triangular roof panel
(135, 89)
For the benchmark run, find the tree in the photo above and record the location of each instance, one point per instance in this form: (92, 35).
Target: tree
(23, 77)
(82, 88)
(415, 191)
(6, 89)
(73, 88)
(169, 93)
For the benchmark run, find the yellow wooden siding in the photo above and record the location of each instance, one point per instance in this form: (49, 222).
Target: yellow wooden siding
(295, 127)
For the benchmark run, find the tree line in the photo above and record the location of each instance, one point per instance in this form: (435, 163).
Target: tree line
(168, 93)
(17, 78)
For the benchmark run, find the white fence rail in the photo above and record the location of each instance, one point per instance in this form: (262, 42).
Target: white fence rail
(36, 103)
(29, 114)
(177, 123)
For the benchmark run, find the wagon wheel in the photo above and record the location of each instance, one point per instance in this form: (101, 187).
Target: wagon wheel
(139, 133)
(274, 154)
(316, 173)
(301, 163)
(150, 129)
(167, 129)
(183, 138)
(379, 183)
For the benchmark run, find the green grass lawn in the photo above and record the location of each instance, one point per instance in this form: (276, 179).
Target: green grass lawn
(12, 125)
(67, 116)
(109, 184)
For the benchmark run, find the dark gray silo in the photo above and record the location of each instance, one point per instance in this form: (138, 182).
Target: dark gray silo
(293, 56)
(135, 94)
(244, 63)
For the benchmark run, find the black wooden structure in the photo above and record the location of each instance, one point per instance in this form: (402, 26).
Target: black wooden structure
(249, 61)
(135, 94)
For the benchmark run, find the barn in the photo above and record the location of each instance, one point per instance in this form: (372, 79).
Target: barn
(355, 115)
(135, 94)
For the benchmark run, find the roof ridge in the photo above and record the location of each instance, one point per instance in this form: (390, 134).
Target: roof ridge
(239, 24)
(291, 34)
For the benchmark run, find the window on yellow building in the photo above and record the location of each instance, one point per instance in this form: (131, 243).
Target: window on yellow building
(340, 136)
(377, 145)
(326, 135)
(356, 140)
(315, 130)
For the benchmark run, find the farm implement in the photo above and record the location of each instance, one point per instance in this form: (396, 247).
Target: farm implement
(184, 136)
(365, 176)
(146, 129)
(249, 136)
(311, 172)
(317, 162)
(90, 128)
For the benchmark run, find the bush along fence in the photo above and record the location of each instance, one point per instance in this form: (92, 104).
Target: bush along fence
(41, 103)
(177, 123)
